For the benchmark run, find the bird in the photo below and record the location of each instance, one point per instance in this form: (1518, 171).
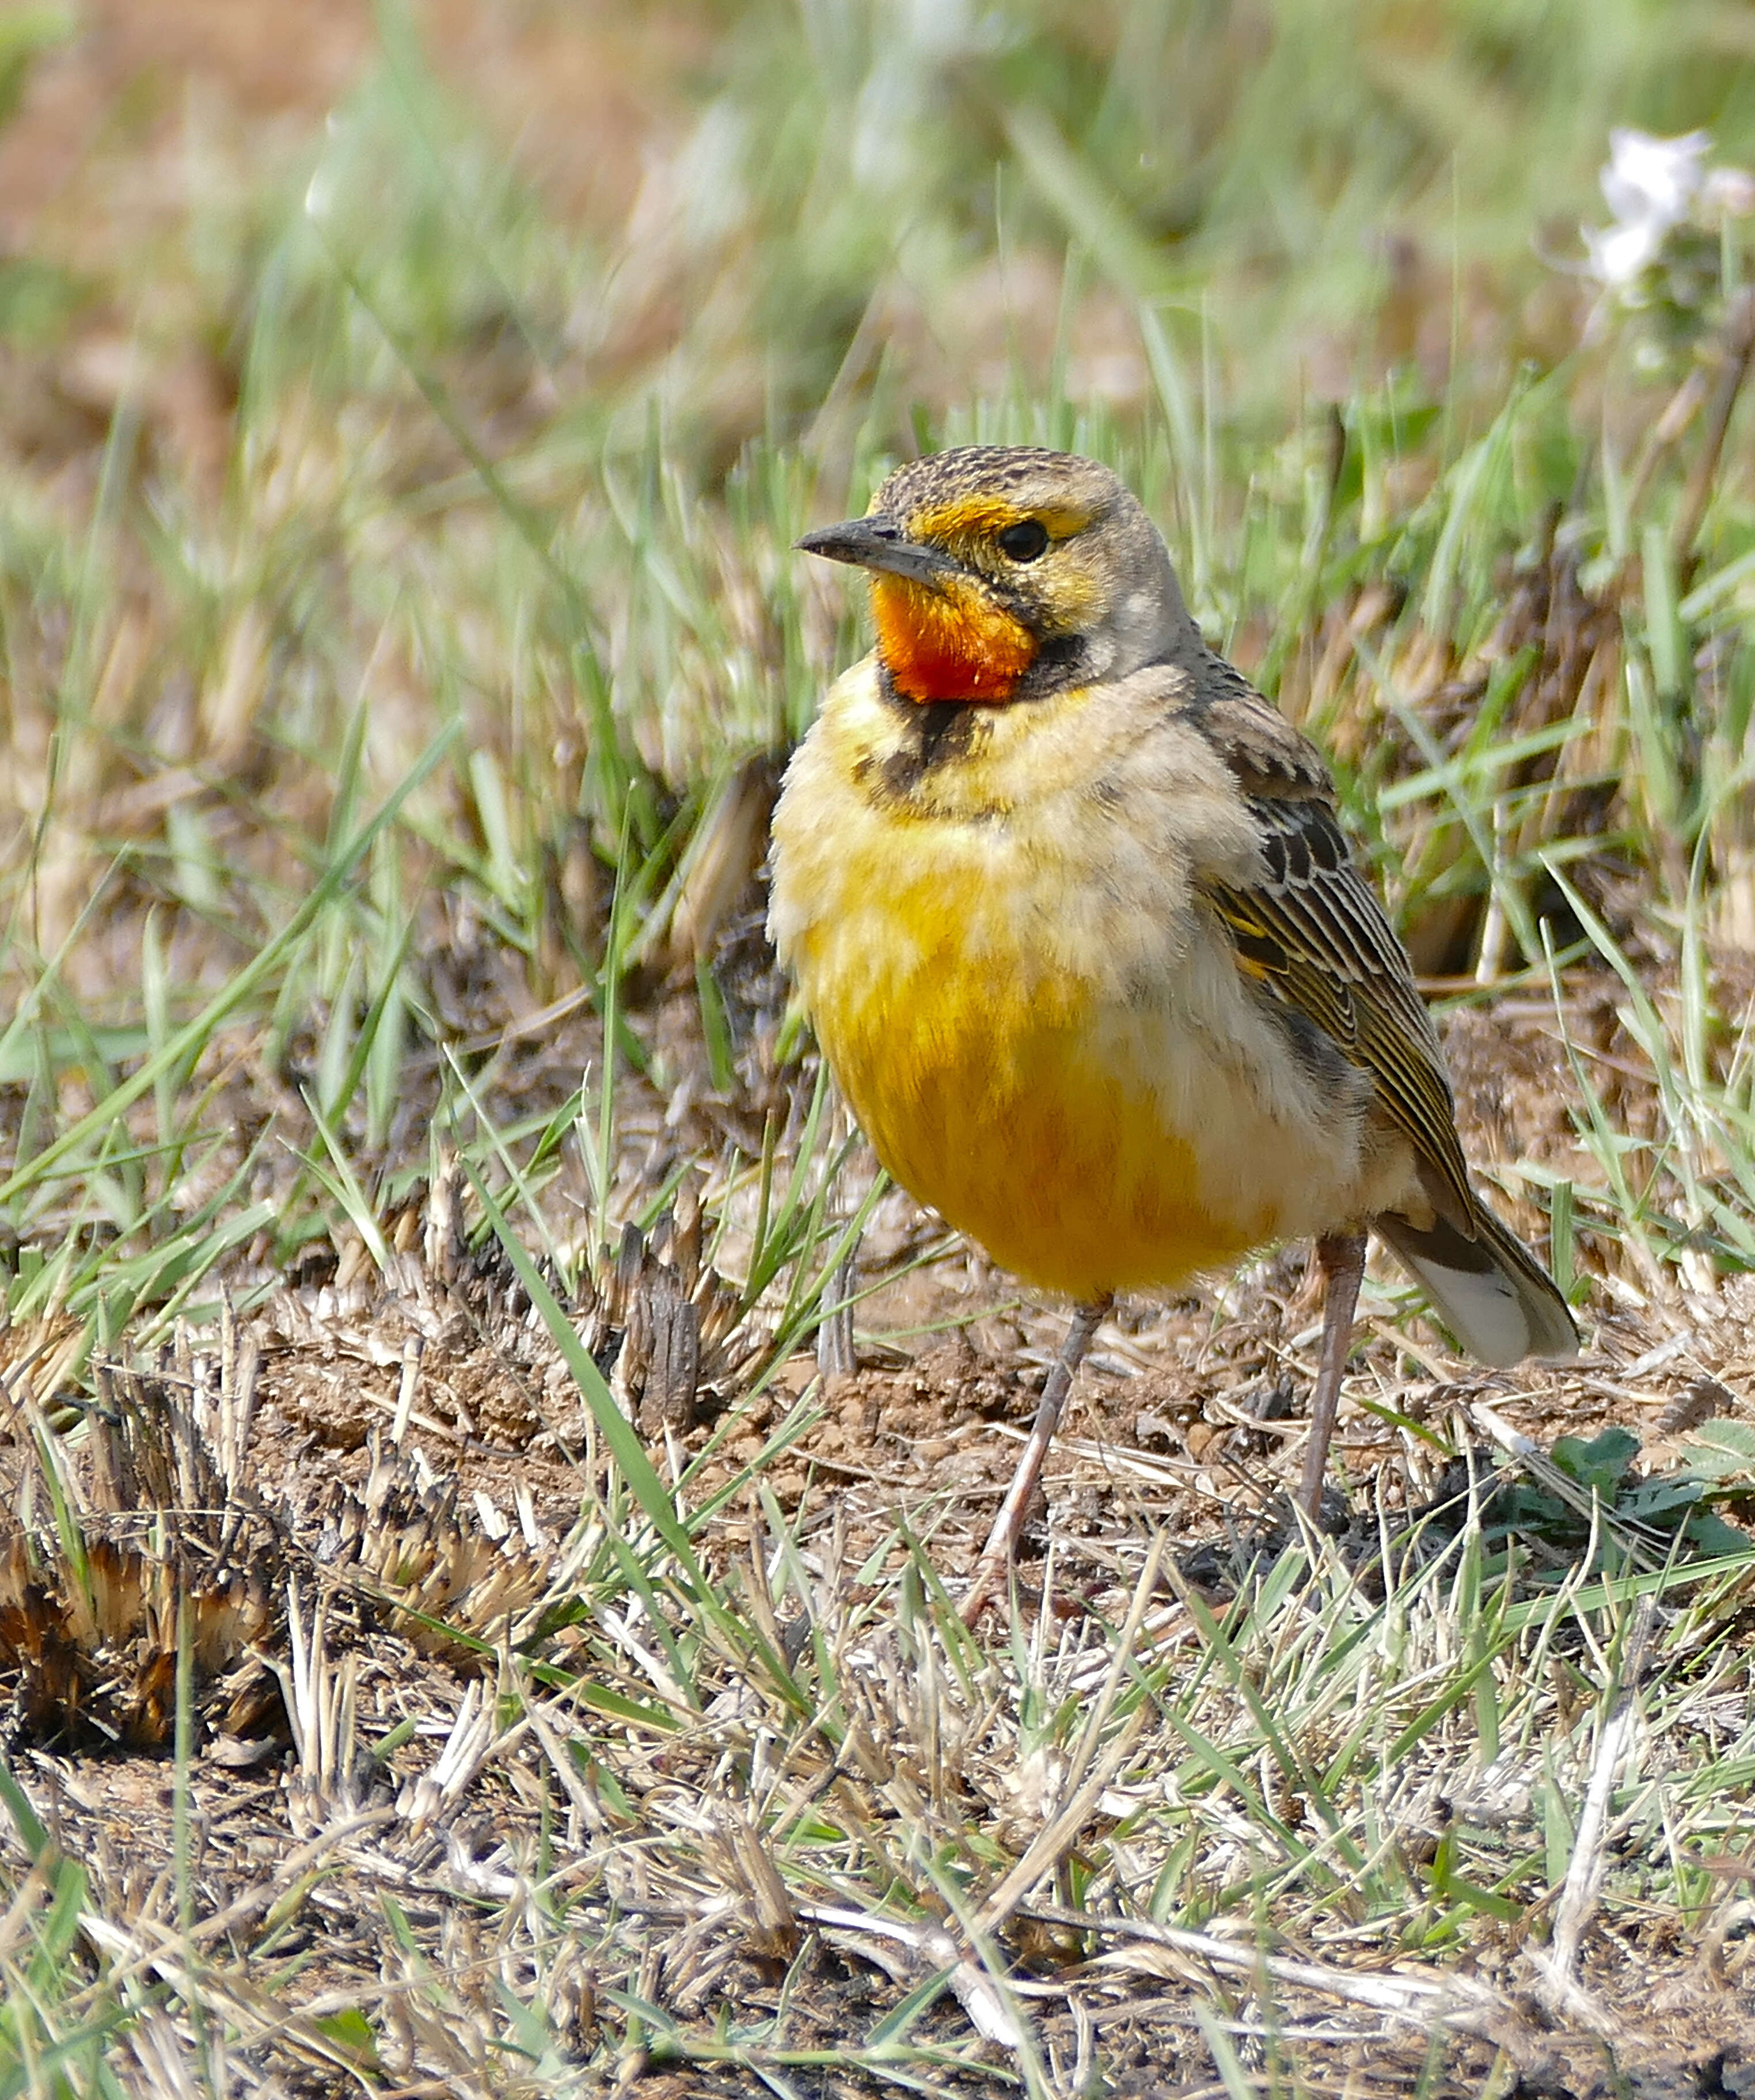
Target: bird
(1070, 909)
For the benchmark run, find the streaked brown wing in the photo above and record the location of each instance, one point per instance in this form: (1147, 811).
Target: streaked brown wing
(1315, 936)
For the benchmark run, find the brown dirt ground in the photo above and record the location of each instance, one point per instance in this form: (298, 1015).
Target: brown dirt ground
(579, 92)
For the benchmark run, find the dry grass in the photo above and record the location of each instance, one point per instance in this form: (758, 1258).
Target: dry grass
(484, 1464)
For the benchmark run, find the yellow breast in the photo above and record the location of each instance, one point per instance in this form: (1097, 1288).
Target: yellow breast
(1009, 1106)
(1032, 1029)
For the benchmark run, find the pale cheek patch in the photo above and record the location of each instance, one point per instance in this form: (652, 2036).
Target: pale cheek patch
(1076, 602)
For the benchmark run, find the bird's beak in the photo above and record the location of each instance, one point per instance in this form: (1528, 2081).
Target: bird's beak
(876, 543)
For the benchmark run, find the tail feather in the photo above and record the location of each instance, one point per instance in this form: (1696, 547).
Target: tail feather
(1490, 1290)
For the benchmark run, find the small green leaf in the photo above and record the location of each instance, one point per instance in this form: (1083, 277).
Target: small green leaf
(1707, 1531)
(1600, 1462)
(352, 2033)
(1722, 1451)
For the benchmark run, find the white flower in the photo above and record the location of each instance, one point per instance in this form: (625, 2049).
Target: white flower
(1619, 254)
(1653, 180)
(1654, 186)
(1651, 185)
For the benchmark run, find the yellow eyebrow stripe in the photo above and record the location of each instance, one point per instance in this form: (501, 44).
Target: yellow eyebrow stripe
(965, 517)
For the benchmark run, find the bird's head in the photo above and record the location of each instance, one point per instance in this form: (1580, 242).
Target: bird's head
(1004, 572)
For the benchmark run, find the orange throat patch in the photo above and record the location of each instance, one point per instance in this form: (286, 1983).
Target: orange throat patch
(950, 645)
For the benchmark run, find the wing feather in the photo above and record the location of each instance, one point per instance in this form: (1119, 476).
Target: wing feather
(1314, 935)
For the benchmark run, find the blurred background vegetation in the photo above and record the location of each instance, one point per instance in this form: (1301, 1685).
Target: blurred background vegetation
(407, 413)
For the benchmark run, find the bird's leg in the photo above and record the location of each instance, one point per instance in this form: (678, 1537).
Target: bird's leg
(1341, 1256)
(1008, 1526)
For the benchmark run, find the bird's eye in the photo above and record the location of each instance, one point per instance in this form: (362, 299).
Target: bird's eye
(1024, 541)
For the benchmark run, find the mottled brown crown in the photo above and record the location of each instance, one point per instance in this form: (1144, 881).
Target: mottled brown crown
(1025, 475)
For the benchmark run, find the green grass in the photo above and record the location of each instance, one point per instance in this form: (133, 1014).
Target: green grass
(383, 828)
